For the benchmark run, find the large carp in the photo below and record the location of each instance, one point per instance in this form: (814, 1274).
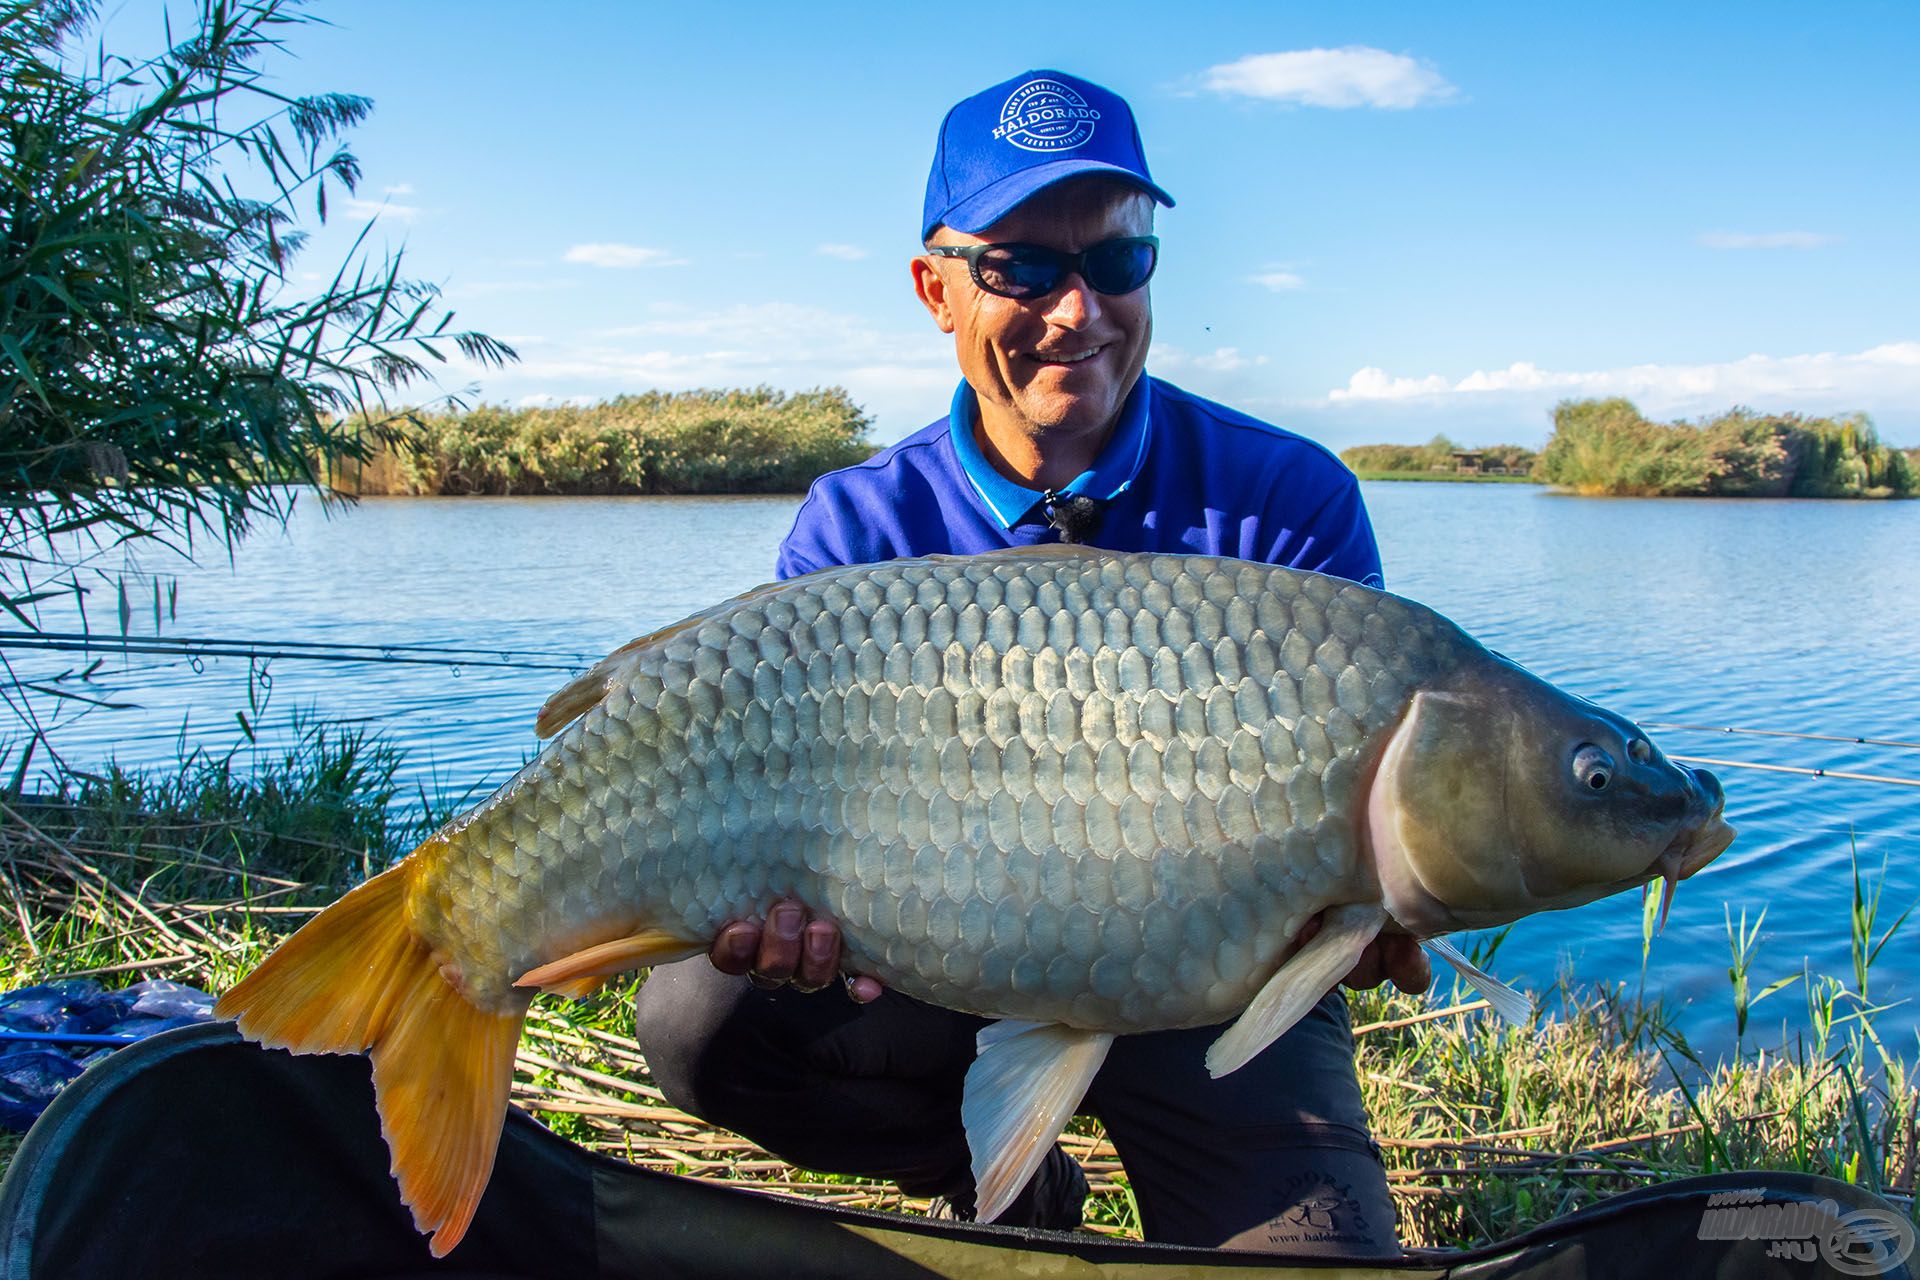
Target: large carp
(1089, 793)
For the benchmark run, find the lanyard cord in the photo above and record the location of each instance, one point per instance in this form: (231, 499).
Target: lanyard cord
(1074, 516)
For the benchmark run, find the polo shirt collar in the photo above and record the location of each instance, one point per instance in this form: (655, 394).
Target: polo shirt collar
(1111, 474)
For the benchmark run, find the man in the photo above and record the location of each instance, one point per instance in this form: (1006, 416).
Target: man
(1037, 230)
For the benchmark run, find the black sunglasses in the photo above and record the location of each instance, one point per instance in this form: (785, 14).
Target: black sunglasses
(1028, 271)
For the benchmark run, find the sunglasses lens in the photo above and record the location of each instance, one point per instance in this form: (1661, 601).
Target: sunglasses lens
(1032, 271)
(1018, 271)
(1120, 266)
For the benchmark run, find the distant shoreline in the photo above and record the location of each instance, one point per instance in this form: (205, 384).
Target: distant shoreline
(1608, 448)
(1444, 477)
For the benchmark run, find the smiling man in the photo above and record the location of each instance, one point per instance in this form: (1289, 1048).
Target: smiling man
(1038, 238)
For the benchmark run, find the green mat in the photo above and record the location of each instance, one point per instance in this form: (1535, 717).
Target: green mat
(197, 1154)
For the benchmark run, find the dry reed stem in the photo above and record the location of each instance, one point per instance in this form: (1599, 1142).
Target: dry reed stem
(1431, 1015)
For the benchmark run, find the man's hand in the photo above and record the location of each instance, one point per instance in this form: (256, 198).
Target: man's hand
(787, 948)
(1393, 957)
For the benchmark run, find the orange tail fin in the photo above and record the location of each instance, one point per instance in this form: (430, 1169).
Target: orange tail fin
(358, 978)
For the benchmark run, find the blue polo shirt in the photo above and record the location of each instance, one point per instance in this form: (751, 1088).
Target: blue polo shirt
(1180, 474)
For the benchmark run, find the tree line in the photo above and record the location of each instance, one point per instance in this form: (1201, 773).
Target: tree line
(1608, 447)
(1436, 454)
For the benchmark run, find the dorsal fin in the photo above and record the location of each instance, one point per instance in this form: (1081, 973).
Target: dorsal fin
(581, 694)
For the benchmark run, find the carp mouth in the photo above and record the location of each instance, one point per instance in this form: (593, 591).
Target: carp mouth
(1693, 848)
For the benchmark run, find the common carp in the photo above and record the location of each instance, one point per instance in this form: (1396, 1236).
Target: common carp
(1084, 792)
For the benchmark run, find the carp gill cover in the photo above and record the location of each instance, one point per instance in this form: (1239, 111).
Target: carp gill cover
(1084, 792)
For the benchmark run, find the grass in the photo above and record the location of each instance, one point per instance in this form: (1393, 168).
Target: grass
(1486, 1130)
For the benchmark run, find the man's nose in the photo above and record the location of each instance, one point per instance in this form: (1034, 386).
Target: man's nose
(1074, 305)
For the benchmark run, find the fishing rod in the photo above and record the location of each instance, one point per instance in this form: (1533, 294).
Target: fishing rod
(1783, 733)
(293, 650)
(454, 656)
(1798, 769)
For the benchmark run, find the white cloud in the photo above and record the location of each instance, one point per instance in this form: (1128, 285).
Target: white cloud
(844, 252)
(1374, 383)
(1767, 239)
(1226, 360)
(398, 189)
(1353, 76)
(1168, 359)
(1278, 281)
(1880, 377)
(621, 256)
(382, 208)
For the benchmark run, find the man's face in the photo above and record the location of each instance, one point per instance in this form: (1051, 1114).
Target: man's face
(1062, 363)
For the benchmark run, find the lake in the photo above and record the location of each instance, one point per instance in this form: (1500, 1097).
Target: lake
(1778, 615)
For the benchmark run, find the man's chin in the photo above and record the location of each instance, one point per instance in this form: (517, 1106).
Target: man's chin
(1068, 412)
(1069, 420)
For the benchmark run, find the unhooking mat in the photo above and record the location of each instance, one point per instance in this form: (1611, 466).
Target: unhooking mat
(196, 1154)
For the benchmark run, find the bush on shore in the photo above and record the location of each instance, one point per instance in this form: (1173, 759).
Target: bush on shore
(1608, 447)
(1435, 455)
(748, 441)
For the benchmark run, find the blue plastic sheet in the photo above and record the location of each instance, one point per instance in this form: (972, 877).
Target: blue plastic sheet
(33, 1070)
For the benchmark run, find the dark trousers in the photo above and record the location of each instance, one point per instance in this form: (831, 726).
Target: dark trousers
(1276, 1154)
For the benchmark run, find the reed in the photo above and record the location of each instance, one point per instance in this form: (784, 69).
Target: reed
(1607, 447)
(746, 441)
(1486, 1130)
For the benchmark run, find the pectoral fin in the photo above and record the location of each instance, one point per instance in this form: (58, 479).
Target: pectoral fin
(1514, 1006)
(1020, 1093)
(1306, 976)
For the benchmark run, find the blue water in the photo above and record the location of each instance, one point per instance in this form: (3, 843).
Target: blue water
(1788, 615)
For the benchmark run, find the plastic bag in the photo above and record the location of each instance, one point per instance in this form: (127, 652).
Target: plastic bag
(37, 1057)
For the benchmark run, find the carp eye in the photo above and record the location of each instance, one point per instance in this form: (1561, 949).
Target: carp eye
(1592, 767)
(1641, 750)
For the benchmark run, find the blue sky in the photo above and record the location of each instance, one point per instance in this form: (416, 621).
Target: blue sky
(1393, 219)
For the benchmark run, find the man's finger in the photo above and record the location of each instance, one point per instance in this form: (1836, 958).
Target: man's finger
(734, 949)
(779, 956)
(819, 956)
(1408, 966)
(1366, 973)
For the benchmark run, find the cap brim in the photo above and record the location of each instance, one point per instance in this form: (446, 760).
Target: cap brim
(986, 207)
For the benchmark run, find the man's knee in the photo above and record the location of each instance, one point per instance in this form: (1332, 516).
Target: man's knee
(683, 1018)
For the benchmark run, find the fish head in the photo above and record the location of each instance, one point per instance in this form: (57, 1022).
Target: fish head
(1499, 795)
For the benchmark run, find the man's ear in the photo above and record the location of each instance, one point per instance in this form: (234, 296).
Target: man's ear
(931, 288)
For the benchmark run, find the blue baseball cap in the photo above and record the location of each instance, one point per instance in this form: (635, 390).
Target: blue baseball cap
(1003, 144)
